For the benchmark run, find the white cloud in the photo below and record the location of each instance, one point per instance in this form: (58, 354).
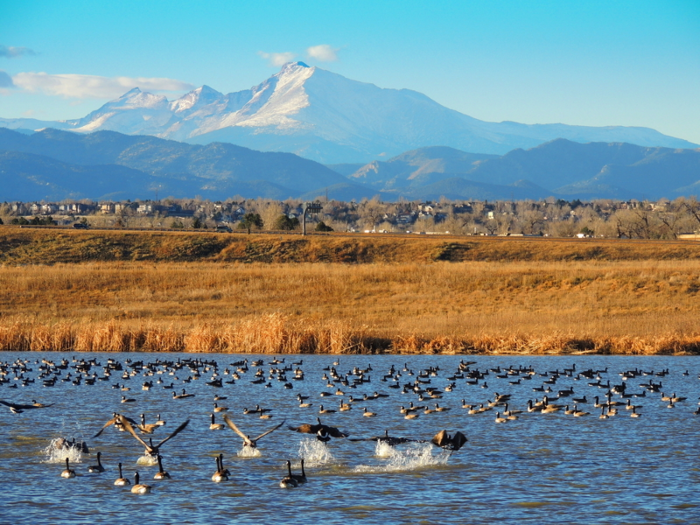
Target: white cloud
(277, 59)
(323, 53)
(15, 52)
(90, 86)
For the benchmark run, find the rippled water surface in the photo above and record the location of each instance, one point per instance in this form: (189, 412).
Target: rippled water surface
(540, 468)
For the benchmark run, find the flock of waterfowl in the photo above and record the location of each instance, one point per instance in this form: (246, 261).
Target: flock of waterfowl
(427, 391)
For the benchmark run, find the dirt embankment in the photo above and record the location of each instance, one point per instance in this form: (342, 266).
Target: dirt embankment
(49, 246)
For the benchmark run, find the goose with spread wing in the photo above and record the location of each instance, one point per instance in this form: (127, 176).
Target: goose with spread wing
(247, 440)
(323, 432)
(18, 408)
(443, 440)
(151, 449)
(117, 422)
(389, 440)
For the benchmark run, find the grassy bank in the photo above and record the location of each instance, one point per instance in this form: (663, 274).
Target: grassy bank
(637, 306)
(51, 246)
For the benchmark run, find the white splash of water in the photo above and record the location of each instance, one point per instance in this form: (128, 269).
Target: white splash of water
(414, 457)
(315, 453)
(248, 452)
(56, 453)
(384, 450)
(147, 460)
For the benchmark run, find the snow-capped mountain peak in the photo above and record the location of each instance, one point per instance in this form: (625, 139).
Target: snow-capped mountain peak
(326, 117)
(135, 98)
(201, 96)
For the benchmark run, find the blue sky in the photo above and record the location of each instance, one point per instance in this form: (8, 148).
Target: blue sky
(597, 63)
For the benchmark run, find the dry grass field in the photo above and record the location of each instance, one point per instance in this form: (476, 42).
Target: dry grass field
(119, 291)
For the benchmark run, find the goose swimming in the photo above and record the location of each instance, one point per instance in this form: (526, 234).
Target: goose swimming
(288, 481)
(161, 474)
(96, 469)
(68, 472)
(221, 473)
(139, 488)
(121, 481)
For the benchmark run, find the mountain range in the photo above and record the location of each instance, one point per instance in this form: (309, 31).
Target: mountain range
(55, 165)
(328, 118)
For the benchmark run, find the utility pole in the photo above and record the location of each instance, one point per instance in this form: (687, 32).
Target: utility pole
(309, 207)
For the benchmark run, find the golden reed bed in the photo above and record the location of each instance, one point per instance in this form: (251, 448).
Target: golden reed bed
(276, 335)
(501, 296)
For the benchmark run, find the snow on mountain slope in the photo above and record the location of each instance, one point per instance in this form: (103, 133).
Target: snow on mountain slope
(134, 113)
(329, 118)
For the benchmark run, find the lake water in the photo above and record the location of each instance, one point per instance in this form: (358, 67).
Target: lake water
(540, 468)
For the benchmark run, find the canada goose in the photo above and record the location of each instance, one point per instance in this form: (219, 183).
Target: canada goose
(147, 428)
(386, 438)
(121, 481)
(68, 472)
(247, 440)
(630, 406)
(464, 405)
(63, 444)
(507, 412)
(443, 440)
(161, 474)
(117, 422)
(344, 407)
(151, 449)
(184, 395)
(634, 413)
(217, 408)
(438, 408)
(19, 408)
(300, 478)
(320, 430)
(288, 481)
(262, 411)
(367, 413)
(322, 410)
(214, 425)
(128, 399)
(603, 415)
(549, 409)
(96, 469)
(500, 419)
(569, 411)
(677, 399)
(221, 473)
(139, 488)
(579, 413)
